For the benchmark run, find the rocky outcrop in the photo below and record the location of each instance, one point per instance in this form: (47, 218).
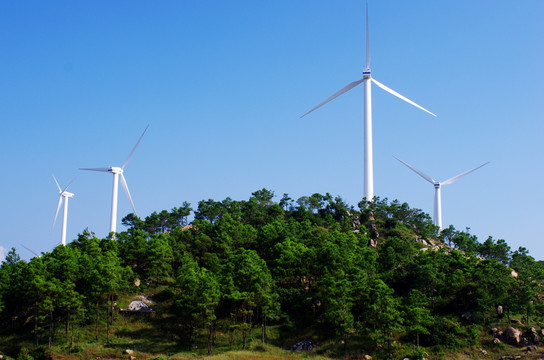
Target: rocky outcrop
(304, 345)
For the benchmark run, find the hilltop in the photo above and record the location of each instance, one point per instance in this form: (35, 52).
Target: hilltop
(379, 280)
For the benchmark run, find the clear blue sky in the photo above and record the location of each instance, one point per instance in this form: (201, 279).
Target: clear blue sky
(222, 85)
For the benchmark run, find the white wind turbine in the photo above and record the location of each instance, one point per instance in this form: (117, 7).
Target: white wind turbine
(437, 214)
(368, 189)
(63, 194)
(116, 171)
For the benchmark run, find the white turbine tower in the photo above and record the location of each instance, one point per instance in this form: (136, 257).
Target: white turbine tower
(118, 171)
(437, 214)
(63, 194)
(368, 190)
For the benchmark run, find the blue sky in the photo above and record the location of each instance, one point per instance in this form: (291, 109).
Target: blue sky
(222, 86)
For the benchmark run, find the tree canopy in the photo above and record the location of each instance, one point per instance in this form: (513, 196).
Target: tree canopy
(369, 273)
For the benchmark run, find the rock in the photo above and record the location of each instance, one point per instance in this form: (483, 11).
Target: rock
(512, 336)
(532, 336)
(132, 358)
(494, 330)
(531, 348)
(483, 352)
(499, 310)
(373, 231)
(129, 351)
(496, 341)
(139, 306)
(466, 315)
(356, 222)
(515, 321)
(368, 357)
(304, 345)
(514, 274)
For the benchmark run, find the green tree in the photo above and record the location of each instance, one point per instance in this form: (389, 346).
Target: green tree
(159, 258)
(286, 202)
(210, 294)
(197, 294)
(386, 315)
(179, 215)
(264, 197)
(499, 250)
(417, 315)
(63, 264)
(250, 287)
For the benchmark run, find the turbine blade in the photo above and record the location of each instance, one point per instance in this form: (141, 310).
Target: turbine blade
(56, 182)
(96, 169)
(70, 183)
(125, 186)
(391, 91)
(420, 173)
(57, 213)
(335, 95)
(32, 251)
(367, 41)
(457, 177)
(134, 149)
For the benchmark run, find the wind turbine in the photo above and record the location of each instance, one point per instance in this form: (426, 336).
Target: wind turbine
(118, 171)
(368, 187)
(66, 195)
(437, 214)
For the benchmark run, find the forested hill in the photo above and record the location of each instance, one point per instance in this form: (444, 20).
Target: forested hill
(377, 279)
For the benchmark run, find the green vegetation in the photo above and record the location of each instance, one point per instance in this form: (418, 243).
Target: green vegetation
(258, 276)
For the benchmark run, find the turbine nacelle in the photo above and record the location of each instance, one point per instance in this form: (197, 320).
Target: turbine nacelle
(366, 73)
(66, 194)
(115, 170)
(436, 185)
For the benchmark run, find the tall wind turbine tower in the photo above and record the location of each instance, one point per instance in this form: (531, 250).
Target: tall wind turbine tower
(63, 194)
(437, 211)
(118, 172)
(368, 190)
